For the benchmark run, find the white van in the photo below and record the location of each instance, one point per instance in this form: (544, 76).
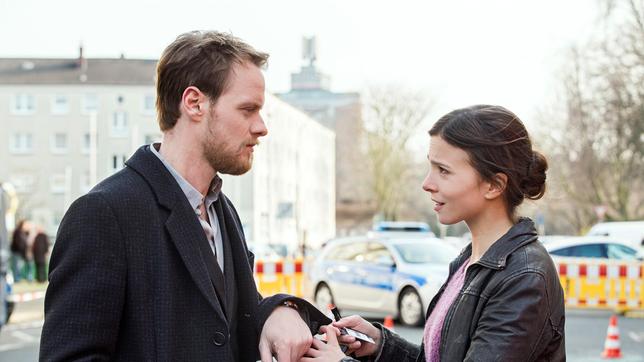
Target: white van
(631, 232)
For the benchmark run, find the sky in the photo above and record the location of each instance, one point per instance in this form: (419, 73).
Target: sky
(457, 52)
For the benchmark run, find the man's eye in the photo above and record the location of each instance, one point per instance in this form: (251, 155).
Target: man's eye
(442, 171)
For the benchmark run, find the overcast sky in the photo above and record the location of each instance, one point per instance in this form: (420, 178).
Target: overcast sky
(461, 52)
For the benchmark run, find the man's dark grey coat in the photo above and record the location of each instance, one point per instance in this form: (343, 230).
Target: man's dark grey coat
(128, 281)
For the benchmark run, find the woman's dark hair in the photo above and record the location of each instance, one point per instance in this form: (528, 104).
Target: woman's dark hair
(497, 142)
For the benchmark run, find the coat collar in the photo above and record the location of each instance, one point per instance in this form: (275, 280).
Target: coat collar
(182, 225)
(522, 233)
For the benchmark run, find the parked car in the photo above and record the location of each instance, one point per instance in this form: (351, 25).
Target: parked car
(401, 229)
(592, 247)
(381, 275)
(9, 302)
(631, 232)
(6, 278)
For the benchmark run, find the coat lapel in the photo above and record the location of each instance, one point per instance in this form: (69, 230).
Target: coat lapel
(182, 225)
(243, 270)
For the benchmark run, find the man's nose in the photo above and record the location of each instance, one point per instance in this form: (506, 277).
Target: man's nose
(258, 127)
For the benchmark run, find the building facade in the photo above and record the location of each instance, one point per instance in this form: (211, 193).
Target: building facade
(69, 123)
(342, 113)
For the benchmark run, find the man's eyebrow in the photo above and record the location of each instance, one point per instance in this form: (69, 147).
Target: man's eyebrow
(250, 104)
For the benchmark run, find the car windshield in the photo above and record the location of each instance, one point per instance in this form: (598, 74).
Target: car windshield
(418, 253)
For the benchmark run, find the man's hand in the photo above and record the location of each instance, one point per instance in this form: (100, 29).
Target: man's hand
(285, 336)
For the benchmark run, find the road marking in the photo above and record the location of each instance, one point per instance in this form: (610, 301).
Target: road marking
(23, 336)
(20, 326)
(637, 337)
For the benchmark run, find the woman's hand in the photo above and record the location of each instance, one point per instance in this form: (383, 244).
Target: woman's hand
(329, 351)
(355, 346)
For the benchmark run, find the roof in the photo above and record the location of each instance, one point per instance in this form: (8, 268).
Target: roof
(119, 71)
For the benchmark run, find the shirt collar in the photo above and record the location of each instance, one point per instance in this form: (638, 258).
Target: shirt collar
(195, 198)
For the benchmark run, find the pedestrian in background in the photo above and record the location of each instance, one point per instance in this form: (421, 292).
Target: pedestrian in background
(30, 267)
(502, 300)
(40, 251)
(18, 250)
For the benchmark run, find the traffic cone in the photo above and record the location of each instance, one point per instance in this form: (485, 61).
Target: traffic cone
(611, 346)
(389, 323)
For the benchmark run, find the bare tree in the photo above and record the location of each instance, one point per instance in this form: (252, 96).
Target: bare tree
(392, 116)
(598, 151)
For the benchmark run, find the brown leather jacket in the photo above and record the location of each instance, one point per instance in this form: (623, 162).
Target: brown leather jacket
(511, 307)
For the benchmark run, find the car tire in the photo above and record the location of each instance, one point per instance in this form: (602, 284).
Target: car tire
(410, 308)
(323, 297)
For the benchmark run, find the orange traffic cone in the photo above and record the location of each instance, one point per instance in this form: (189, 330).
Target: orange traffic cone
(611, 346)
(389, 323)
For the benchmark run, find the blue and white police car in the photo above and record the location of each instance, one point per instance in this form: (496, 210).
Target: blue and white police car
(395, 276)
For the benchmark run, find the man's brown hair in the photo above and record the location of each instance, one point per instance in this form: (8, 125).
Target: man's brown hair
(203, 59)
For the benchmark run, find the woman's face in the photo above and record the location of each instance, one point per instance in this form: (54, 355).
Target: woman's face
(455, 186)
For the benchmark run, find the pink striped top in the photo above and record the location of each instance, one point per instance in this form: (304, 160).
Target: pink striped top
(434, 324)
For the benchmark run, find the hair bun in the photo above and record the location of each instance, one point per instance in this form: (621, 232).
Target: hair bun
(533, 185)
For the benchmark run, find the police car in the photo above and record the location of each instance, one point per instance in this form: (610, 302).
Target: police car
(395, 276)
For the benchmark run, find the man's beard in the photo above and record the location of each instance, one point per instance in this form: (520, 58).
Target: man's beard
(220, 158)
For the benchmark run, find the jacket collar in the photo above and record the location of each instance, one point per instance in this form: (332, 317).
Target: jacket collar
(522, 233)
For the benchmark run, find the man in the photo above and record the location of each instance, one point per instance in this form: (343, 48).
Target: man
(152, 263)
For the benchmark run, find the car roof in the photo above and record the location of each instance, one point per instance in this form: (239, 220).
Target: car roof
(387, 240)
(582, 240)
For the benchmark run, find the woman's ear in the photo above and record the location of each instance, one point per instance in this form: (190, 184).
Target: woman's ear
(497, 186)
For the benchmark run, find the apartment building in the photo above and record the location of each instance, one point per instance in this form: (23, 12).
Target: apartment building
(69, 123)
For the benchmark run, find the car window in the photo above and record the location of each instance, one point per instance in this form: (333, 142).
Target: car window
(582, 251)
(616, 251)
(348, 252)
(561, 252)
(418, 253)
(378, 254)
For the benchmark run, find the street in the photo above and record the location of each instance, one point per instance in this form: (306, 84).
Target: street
(585, 334)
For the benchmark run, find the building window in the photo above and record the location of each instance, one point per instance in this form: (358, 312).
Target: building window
(21, 143)
(86, 144)
(59, 143)
(149, 104)
(90, 103)
(118, 162)
(23, 183)
(24, 104)
(59, 105)
(58, 183)
(119, 124)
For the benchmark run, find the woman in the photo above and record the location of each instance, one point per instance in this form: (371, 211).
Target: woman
(502, 300)
(19, 249)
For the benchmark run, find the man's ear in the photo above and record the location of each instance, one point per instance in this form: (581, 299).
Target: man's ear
(496, 186)
(192, 103)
